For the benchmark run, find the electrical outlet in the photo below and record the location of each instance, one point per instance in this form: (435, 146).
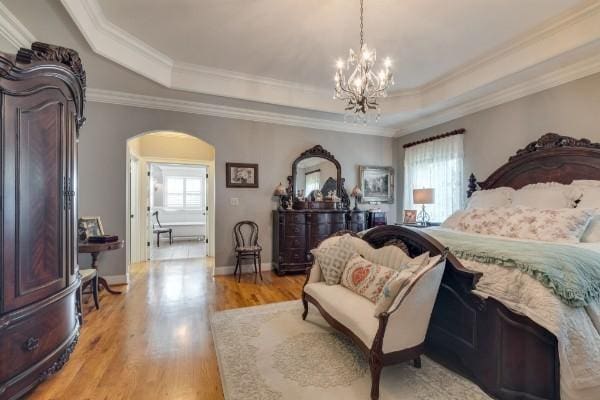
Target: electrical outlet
(234, 201)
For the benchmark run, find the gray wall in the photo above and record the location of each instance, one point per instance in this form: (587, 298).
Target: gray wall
(493, 135)
(102, 167)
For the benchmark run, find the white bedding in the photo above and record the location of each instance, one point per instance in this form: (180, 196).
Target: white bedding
(577, 329)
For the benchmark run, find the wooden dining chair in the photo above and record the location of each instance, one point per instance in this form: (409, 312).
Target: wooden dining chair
(89, 277)
(245, 235)
(159, 230)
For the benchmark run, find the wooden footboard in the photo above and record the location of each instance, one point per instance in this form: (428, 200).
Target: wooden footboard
(506, 354)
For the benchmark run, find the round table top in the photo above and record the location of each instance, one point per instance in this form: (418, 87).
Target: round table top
(85, 247)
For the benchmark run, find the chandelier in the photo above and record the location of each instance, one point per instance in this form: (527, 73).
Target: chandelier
(361, 89)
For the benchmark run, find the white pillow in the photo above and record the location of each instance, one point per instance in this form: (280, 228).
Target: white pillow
(590, 197)
(499, 197)
(592, 233)
(452, 221)
(549, 195)
(566, 225)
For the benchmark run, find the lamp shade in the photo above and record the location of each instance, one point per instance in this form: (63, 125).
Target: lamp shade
(356, 192)
(423, 196)
(280, 190)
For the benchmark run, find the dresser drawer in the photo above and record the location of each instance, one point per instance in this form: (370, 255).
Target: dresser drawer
(321, 230)
(295, 230)
(294, 256)
(358, 218)
(295, 218)
(294, 242)
(24, 343)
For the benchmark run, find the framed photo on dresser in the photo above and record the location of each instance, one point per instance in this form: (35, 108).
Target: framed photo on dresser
(241, 175)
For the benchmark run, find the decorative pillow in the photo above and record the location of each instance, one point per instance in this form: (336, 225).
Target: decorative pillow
(365, 278)
(454, 219)
(388, 256)
(550, 195)
(553, 225)
(499, 197)
(590, 197)
(333, 258)
(592, 233)
(399, 282)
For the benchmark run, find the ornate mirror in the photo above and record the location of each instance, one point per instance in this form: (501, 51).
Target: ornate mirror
(314, 170)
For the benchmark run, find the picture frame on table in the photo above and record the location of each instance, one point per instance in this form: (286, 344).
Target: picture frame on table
(376, 184)
(410, 217)
(89, 226)
(241, 175)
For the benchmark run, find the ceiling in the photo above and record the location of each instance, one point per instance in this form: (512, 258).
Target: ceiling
(272, 61)
(298, 41)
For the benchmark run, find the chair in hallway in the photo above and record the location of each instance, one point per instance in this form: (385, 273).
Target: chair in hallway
(245, 234)
(89, 277)
(159, 230)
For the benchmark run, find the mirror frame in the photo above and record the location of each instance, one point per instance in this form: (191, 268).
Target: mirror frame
(319, 152)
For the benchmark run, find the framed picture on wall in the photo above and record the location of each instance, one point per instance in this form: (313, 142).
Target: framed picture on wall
(410, 216)
(240, 175)
(89, 226)
(376, 184)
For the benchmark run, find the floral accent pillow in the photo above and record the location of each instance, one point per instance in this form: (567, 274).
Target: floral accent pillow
(565, 225)
(365, 278)
(399, 284)
(333, 258)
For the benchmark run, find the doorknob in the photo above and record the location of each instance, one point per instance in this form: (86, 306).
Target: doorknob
(131, 216)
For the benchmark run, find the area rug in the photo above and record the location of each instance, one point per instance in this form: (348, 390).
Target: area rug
(269, 353)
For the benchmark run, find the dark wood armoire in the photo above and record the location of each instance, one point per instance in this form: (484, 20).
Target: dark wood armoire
(42, 95)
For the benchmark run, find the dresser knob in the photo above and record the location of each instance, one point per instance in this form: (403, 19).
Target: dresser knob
(31, 344)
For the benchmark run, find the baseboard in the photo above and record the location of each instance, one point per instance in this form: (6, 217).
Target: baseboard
(117, 279)
(228, 269)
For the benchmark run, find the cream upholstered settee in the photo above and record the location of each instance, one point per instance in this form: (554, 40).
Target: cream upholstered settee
(395, 335)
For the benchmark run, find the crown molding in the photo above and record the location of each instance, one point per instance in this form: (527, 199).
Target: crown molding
(13, 30)
(574, 28)
(192, 107)
(538, 83)
(543, 36)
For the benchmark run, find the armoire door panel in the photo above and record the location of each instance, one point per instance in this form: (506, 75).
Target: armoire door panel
(38, 146)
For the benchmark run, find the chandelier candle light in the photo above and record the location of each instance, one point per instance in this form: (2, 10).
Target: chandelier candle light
(363, 87)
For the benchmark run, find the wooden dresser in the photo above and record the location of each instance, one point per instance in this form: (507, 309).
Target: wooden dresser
(296, 232)
(42, 93)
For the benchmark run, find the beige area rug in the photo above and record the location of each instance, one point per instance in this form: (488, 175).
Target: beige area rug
(269, 353)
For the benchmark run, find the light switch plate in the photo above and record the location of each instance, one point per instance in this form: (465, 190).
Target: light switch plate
(234, 201)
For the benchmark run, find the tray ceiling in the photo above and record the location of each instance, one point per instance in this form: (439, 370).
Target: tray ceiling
(298, 41)
(451, 58)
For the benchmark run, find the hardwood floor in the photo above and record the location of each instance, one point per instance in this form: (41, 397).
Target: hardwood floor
(154, 340)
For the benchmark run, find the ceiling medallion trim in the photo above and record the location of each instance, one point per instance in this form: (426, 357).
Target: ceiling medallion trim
(193, 107)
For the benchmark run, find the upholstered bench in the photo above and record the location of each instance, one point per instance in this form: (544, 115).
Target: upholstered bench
(396, 334)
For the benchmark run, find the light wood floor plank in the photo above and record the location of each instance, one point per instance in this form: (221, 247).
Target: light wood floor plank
(154, 340)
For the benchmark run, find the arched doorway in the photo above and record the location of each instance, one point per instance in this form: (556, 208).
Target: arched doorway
(170, 180)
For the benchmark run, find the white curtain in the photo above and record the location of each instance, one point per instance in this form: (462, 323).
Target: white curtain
(439, 165)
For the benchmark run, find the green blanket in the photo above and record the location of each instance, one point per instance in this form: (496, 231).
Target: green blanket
(572, 273)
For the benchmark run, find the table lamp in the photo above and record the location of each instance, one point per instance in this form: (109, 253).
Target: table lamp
(423, 196)
(281, 192)
(357, 194)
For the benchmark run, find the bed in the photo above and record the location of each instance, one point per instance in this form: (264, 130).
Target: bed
(477, 331)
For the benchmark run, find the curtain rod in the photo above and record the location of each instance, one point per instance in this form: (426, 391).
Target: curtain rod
(431, 139)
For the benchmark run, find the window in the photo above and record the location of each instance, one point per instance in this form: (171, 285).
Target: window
(312, 181)
(438, 165)
(184, 192)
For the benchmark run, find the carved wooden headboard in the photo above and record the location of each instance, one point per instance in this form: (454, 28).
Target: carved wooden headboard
(552, 158)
